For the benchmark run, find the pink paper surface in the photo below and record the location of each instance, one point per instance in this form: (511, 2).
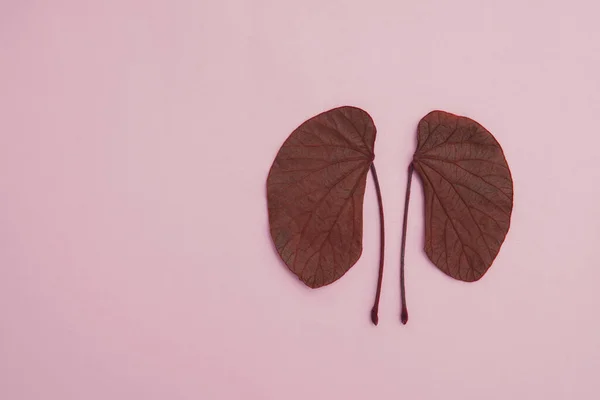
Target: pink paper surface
(135, 142)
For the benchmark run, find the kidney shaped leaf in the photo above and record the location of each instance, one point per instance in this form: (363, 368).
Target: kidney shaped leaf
(468, 194)
(315, 192)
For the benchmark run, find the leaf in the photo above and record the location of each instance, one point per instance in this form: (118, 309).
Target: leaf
(315, 192)
(468, 194)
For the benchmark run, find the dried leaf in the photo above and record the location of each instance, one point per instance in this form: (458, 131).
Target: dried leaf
(315, 192)
(468, 194)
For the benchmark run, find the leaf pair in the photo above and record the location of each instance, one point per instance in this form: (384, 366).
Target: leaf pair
(316, 186)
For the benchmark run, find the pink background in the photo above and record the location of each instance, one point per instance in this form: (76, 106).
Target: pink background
(136, 137)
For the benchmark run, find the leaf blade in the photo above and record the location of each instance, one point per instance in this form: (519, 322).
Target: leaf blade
(315, 192)
(468, 194)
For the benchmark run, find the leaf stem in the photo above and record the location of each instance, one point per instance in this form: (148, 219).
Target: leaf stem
(404, 312)
(375, 309)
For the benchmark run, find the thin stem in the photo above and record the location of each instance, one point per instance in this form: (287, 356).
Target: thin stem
(404, 312)
(375, 309)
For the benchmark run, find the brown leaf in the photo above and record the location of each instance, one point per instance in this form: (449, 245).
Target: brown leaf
(315, 192)
(468, 194)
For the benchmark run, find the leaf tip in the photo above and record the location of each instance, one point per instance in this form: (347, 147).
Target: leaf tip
(374, 316)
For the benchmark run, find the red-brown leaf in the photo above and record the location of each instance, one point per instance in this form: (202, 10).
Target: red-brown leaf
(468, 194)
(315, 192)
